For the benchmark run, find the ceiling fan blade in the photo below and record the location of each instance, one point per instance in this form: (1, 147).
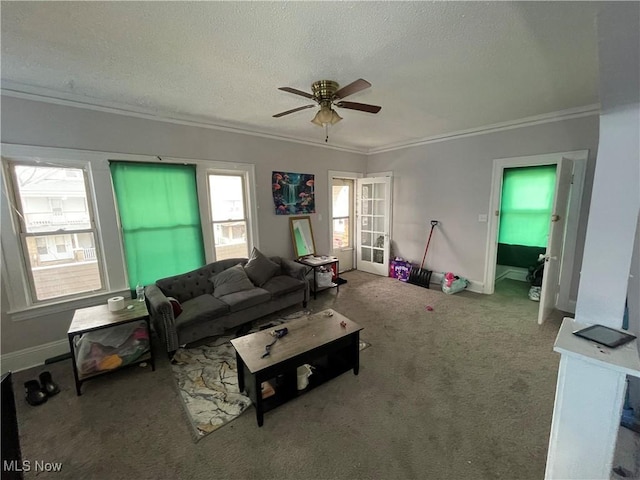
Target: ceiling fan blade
(352, 88)
(297, 92)
(364, 107)
(281, 114)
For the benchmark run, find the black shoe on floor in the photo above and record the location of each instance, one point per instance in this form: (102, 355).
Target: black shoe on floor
(49, 388)
(33, 393)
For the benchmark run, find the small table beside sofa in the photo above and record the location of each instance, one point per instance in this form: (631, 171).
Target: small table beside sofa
(222, 295)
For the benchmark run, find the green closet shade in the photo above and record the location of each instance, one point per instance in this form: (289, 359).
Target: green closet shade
(527, 200)
(160, 218)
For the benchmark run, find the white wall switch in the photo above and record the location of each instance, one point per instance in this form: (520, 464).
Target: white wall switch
(482, 217)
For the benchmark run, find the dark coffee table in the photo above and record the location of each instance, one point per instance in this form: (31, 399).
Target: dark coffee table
(320, 340)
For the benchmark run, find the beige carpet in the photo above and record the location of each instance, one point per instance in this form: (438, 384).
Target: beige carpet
(461, 392)
(206, 376)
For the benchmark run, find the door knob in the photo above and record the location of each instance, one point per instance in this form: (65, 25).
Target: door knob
(555, 218)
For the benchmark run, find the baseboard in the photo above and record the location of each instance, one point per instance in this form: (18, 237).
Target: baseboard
(569, 307)
(519, 274)
(32, 356)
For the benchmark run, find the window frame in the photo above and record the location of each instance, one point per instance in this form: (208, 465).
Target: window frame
(246, 173)
(21, 229)
(351, 217)
(244, 218)
(95, 164)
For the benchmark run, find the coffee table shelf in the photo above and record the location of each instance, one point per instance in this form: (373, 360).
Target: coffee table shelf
(319, 340)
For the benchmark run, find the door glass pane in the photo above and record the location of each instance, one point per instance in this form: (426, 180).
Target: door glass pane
(366, 239)
(378, 224)
(366, 189)
(378, 255)
(340, 233)
(379, 191)
(378, 207)
(365, 254)
(365, 222)
(340, 201)
(367, 207)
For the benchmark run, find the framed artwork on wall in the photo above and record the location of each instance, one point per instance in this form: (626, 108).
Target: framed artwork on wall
(293, 193)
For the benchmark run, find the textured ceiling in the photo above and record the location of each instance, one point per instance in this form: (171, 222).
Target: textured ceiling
(436, 67)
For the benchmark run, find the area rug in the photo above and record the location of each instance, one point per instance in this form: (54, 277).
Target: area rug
(207, 380)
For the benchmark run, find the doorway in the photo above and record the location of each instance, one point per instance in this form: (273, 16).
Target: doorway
(342, 226)
(559, 255)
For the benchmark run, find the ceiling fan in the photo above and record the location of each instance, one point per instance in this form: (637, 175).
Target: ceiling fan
(328, 94)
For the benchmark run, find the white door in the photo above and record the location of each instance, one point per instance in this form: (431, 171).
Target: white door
(553, 255)
(373, 219)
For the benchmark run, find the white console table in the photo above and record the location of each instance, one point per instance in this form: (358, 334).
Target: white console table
(588, 406)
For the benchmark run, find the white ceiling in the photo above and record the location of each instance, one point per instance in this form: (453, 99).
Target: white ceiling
(436, 67)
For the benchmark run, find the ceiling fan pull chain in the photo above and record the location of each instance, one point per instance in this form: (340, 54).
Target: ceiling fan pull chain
(326, 132)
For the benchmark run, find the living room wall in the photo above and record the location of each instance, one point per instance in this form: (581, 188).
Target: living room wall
(450, 181)
(36, 123)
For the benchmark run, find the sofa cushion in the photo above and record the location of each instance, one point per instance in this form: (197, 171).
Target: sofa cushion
(246, 298)
(231, 280)
(200, 309)
(186, 286)
(283, 284)
(259, 268)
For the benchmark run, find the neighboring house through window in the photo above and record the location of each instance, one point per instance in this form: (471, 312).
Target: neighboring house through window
(57, 231)
(228, 215)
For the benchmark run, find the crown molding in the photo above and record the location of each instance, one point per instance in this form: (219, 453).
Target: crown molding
(586, 111)
(18, 90)
(40, 94)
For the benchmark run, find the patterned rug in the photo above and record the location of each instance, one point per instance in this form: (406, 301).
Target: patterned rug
(208, 381)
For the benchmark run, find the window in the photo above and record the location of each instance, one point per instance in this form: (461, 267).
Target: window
(228, 216)
(341, 207)
(59, 264)
(527, 201)
(160, 219)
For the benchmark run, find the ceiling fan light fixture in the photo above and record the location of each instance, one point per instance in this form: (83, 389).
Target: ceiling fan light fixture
(326, 115)
(316, 119)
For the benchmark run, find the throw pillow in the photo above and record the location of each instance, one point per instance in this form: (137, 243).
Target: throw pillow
(231, 280)
(259, 268)
(175, 306)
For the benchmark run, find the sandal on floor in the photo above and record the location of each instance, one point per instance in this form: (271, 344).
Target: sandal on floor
(33, 393)
(48, 386)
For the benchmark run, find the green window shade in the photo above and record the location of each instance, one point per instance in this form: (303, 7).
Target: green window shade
(525, 210)
(160, 218)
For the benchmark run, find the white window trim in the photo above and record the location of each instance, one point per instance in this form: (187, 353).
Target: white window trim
(247, 172)
(14, 274)
(349, 175)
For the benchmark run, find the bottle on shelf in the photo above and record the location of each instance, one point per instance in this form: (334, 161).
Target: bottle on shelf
(140, 292)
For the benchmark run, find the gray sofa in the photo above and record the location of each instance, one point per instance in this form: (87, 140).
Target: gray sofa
(206, 313)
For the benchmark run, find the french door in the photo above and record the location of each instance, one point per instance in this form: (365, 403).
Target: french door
(373, 224)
